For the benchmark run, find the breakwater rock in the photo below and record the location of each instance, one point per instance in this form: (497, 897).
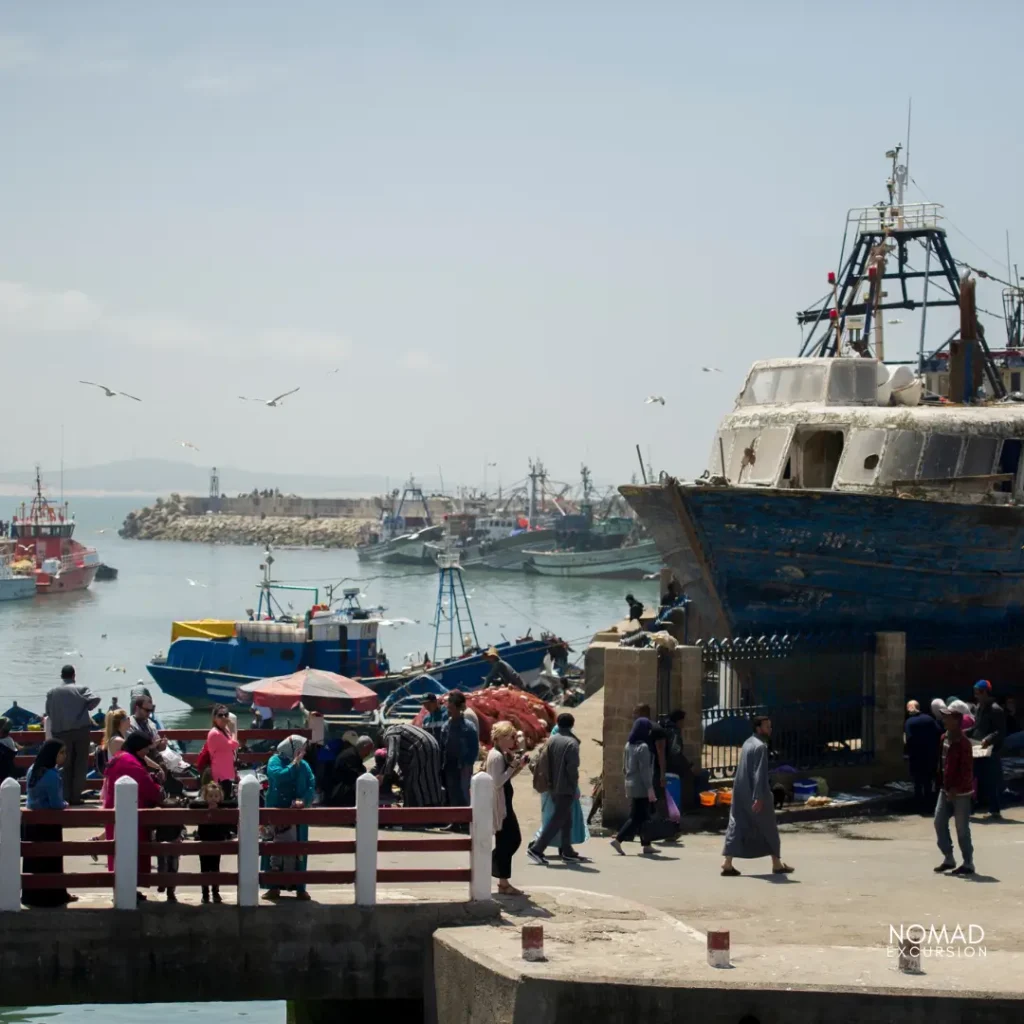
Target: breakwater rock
(171, 519)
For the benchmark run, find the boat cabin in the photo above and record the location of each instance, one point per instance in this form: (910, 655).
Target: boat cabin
(828, 424)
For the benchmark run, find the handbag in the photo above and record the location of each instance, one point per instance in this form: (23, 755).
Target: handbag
(673, 810)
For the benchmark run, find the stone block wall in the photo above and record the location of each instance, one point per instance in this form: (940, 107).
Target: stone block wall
(631, 678)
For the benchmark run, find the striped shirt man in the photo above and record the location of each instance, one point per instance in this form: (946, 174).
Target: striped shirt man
(414, 754)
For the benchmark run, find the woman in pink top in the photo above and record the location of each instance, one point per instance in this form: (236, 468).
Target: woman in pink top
(221, 744)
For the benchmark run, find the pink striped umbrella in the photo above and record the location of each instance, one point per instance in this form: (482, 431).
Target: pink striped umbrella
(315, 689)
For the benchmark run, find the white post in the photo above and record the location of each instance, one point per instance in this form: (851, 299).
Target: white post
(249, 841)
(10, 845)
(481, 830)
(126, 843)
(366, 840)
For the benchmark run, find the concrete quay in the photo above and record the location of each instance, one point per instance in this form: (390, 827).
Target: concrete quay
(616, 961)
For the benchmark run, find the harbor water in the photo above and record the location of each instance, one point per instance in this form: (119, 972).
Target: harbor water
(121, 624)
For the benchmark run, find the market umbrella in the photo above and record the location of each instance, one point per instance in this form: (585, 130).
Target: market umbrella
(317, 690)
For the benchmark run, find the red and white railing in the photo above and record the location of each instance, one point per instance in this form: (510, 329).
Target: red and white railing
(126, 848)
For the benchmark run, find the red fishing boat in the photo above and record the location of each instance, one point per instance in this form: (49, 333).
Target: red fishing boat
(44, 547)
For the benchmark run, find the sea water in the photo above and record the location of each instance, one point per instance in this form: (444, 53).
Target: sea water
(112, 630)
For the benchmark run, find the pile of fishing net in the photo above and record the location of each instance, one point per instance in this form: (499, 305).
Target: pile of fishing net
(529, 714)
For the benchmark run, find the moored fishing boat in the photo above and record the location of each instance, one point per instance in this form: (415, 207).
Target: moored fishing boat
(629, 562)
(842, 493)
(14, 587)
(45, 548)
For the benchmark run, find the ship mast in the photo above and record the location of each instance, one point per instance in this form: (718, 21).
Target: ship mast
(883, 256)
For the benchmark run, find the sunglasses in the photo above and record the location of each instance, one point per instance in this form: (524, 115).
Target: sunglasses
(221, 714)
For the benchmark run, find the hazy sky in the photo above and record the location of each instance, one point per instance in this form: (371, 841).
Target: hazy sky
(504, 224)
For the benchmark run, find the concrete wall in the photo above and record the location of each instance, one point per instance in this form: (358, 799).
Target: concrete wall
(478, 991)
(631, 678)
(163, 953)
(293, 505)
(890, 705)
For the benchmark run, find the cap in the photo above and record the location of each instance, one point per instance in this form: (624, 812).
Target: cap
(492, 652)
(429, 698)
(983, 684)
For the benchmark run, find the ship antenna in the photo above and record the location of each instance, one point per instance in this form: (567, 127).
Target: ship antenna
(906, 162)
(62, 463)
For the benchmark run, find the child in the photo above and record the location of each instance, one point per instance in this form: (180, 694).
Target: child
(211, 797)
(169, 834)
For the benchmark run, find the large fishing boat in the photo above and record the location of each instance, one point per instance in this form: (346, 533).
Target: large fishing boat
(45, 548)
(844, 493)
(629, 562)
(209, 659)
(404, 532)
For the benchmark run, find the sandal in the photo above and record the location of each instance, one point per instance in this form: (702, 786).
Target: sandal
(510, 890)
(730, 873)
(784, 870)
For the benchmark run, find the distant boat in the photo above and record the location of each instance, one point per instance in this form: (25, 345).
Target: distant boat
(106, 572)
(401, 538)
(626, 563)
(14, 587)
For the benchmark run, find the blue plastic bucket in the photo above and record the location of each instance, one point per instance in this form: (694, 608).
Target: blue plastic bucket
(674, 787)
(804, 790)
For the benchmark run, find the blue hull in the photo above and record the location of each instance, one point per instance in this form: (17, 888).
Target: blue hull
(202, 688)
(770, 561)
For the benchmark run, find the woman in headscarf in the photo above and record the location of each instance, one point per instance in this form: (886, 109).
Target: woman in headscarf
(45, 792)
(131, 764)
(638, 769)
(291, 785)
(580, 832)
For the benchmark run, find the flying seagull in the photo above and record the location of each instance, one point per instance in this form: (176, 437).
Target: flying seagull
(188, 444)
(194, 583)
(273, 402)
(651, 399)
(107, 391)
(711, 369)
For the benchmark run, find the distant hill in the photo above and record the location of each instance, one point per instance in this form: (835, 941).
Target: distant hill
(163, 476)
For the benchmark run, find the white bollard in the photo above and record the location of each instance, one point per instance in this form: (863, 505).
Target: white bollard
(126, 843)
(10, 845)
(249, 842)
(367, 797)
(481, 830)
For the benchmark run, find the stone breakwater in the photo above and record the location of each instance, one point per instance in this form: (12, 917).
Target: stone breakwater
(171, 520)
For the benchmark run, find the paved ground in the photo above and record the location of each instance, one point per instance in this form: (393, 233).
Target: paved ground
(854, 878)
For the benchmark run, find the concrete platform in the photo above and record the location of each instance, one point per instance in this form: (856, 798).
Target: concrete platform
(619, 961)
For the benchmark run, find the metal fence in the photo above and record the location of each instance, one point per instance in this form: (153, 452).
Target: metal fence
(818, 690)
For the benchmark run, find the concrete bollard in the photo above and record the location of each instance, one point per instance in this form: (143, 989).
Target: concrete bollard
(910, 957)
(718, 949)
(249, 842)
(481, 830)
(533, 942)
(10, 845)
(126, 843)
(367, 821)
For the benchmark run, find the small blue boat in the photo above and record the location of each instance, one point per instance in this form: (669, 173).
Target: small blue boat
(207, 662)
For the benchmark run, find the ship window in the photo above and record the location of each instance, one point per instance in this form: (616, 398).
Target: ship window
(851, 382)
(779, 385)
(861, 458)
(979, 456)
(741, 455)
(941, 454)
(769, 447)
(1009, 459)
(287, 654)
(821, 452)
(902, 452)
(1015, 380)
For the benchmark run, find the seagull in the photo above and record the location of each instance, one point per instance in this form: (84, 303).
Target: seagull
(103, 636)
(194, 583)
(72, 654)
(273, 402)
(896, 321)
(116, 668)
(107, 391)
(396, 622)
(651, 399)
(188, 444)
(711, 369)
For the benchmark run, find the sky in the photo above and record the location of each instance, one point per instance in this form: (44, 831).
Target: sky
(471, 233)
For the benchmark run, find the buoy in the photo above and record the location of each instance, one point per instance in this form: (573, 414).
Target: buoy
(533, 942)
(718, 949)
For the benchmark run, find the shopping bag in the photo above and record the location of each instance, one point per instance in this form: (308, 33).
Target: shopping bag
(673, 811)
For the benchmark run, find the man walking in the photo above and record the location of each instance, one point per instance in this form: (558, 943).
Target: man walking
(563, 757)
(955, 798)
(990, 730)
(67, 708)
(752, 830)
(922, 733)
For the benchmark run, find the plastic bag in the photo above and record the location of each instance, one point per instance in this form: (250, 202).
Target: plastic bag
(673, 810)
